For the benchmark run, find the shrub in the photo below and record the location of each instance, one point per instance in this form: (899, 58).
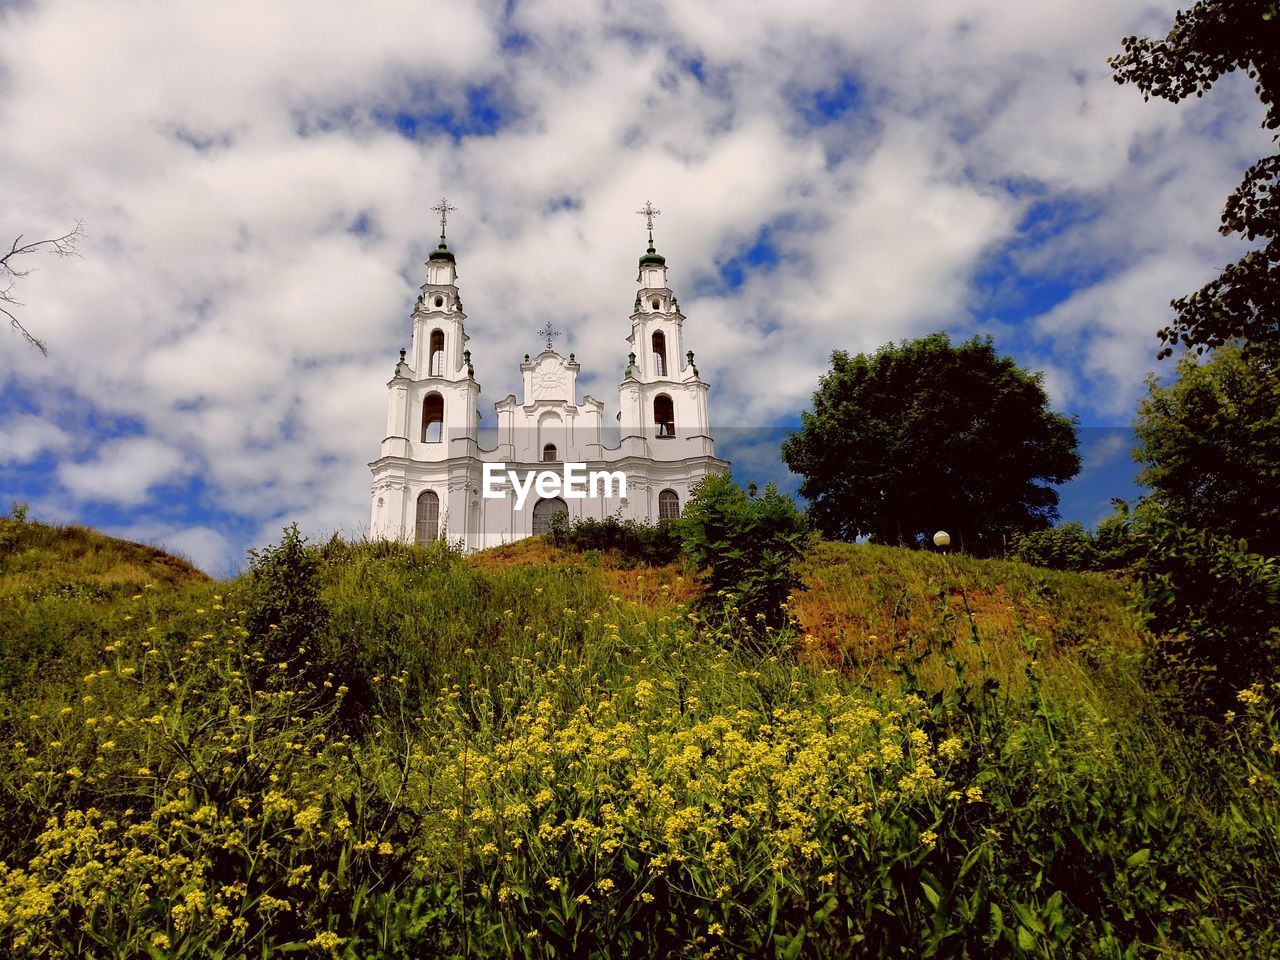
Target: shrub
(748, 546)
(635, 543)
(1067, 546)
(1215, 608)
(1114, 544)
(283, 610)
(9, 525)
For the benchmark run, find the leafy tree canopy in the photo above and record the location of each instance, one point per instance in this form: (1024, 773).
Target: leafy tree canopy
(1210, 446)
(926, 435)
(1211, 39)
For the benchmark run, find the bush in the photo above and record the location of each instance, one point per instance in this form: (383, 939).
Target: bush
(1067, 546)
(1215, 608)
(283, 611)
(635, 543)
(748, 546)
(1115, 546)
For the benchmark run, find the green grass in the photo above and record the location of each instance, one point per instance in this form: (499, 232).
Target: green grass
(536, 753)
(60, 587)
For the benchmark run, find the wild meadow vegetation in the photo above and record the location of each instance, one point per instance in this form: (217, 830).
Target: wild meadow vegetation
(368, 750)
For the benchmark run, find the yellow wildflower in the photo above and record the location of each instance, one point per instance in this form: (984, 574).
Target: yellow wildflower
(326, 941)
(306, 818)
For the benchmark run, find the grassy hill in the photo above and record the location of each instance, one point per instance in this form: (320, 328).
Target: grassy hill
(533, 752)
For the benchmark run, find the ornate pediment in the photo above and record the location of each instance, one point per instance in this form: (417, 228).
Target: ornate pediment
(550, 380)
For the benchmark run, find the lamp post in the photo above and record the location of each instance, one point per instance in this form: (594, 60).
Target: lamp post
(942, 540)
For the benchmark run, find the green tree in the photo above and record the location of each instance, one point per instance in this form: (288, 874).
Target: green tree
(1209, 530)
(1206, 42)
(927, 435)
(1210, 446)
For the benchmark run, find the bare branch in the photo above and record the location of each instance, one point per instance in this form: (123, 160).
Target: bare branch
(64, 246)
(16, 325)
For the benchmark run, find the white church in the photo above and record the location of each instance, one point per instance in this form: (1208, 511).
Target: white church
(434, 480)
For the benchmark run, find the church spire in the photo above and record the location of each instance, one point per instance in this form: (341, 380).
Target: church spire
(444, 208)
(651, 256)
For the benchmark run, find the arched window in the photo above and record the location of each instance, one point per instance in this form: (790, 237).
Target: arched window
(435, 367)
(664, 415)
(659, 354)
(668, 505)
(549, 454)
(427, 526)
(432, 418)
(544, 510)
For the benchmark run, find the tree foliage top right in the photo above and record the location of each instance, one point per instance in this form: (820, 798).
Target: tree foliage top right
(927, 435)
(1206, 42)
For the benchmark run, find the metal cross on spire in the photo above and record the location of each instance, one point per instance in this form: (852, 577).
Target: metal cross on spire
(648, 211)
(444, 208)
(549, 332)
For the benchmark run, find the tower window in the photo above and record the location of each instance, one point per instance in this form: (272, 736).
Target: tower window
(664, 415)
(549, 454)
(439, 301)
(659, 354)
(668, 505)
(427, 525)
(656, 303)
(436, 352)
(432, 418)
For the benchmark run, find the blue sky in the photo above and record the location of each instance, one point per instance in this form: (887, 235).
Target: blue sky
(256, 188)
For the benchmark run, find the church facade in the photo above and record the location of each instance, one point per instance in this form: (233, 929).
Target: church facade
(435, 480)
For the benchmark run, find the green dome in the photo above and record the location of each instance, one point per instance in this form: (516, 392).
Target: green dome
(442, 252)
(652, 256)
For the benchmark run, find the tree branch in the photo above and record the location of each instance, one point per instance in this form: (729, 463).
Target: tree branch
(64, 246)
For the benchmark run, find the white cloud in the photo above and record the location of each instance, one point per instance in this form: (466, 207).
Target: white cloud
(221, 155)
(24, 437)
(124, 471)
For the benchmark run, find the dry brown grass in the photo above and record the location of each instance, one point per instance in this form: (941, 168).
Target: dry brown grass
(652, 587)
(865, 606)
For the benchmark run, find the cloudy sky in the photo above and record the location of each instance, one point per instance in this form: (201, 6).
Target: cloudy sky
(255, 179)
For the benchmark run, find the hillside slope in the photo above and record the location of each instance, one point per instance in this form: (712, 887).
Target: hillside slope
(61, 586)
(540, 754)
(864, 606)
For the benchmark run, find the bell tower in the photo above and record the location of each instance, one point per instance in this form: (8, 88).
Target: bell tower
(432, 394)
(663, 400)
